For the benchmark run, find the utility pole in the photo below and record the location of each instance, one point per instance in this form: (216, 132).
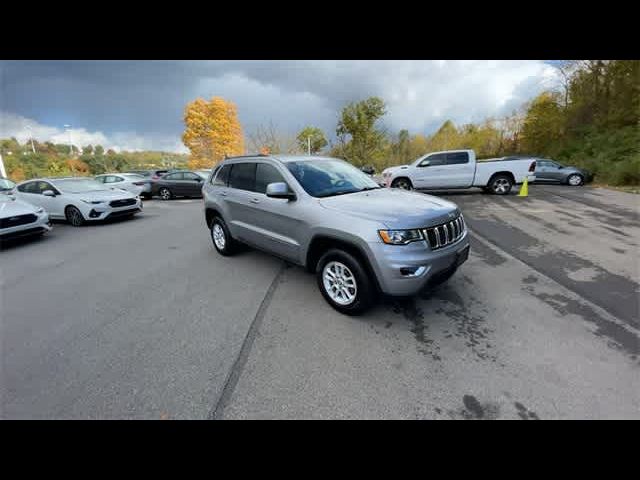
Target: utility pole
(68, 127)
(3, 172)
(33, 148)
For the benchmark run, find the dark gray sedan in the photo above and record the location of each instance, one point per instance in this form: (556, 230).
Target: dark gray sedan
(550, 171)
(181, 183)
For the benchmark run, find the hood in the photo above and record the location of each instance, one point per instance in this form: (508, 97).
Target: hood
(394, 208)
(106, 195)
(15, 207)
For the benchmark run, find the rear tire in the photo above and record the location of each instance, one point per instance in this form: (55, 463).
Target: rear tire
(165, 193)
(575, 180)
(344, 282)
(74, 216)
(500, 185)
(221, 238)
(402, 183)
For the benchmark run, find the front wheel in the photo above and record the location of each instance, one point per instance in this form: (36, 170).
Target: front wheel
(501, 185)
(402, 183)
(575, 180)
(344, 283)
(74, 216)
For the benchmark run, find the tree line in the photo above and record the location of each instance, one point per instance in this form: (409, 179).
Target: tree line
(46, 159)
(591, 120)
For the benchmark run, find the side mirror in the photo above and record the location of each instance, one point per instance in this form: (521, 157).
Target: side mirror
(49, 193)
(280, 190)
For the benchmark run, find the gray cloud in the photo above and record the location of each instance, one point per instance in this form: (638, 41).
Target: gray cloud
(143, 101)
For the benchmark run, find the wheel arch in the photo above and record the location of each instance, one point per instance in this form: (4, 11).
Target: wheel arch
(321, 243)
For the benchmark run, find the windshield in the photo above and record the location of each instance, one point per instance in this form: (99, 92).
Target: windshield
(78, 185)
(6, 184)
(325, 178)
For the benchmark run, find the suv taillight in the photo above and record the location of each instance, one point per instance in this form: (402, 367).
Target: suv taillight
(532, 167)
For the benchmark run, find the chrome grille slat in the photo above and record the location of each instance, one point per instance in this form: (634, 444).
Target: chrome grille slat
(446, 234)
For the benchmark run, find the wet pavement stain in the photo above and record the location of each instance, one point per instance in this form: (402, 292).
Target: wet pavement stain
(411, 312)
(469, 326)
(619, 250)
(474, 410)
(567, 214)
(616, 231)
(530, 279)
(617, 335)
(524, 413)
(488, 255)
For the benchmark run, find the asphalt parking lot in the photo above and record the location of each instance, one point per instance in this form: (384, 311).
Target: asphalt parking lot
(143, 319)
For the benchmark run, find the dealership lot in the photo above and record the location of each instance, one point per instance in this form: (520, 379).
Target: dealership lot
(143, 319)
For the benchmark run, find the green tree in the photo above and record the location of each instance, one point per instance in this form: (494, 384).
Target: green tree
(313, 137)
(98, 150)
(362, 141)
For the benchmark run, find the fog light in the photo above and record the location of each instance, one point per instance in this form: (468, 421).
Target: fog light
(94, 214)
(412, 271)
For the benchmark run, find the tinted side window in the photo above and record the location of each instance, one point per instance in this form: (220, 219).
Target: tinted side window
(434, 160)
(173, 176)
(223, 176)
(27, 187)
(243, 176)
(266, 174)
(457, 158)
(191, 176)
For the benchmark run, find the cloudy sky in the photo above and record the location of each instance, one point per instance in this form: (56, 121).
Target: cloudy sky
(139, 104)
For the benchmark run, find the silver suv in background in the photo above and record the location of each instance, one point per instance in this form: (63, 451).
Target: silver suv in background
(328, 216)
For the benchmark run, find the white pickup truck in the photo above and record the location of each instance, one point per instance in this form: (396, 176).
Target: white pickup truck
(457, 169)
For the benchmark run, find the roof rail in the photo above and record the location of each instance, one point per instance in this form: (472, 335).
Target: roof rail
(246, 156)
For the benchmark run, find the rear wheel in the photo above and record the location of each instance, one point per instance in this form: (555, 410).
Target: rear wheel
(402, 183)
(344, 282)
(222, 240)
(575, 180)
(165, 193)
(500, 185)
(74, 216)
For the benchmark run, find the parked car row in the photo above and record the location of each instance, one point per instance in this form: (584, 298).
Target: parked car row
(26, 208)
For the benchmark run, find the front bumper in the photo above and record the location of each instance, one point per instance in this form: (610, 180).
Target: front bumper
(41, 225)
(104, 212)
(393, 264)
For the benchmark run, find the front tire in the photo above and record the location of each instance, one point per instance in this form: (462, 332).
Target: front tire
(500, 185)
(402, 183)
(344, 282)
(222, 239)
(575, 180)
(165, 193)
(74, 216)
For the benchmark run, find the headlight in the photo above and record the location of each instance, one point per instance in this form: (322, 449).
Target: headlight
(400, 237)
(94, 202)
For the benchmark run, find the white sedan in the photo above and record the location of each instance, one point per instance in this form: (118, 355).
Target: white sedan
(131, 182)
(78, 200)
(20, 219)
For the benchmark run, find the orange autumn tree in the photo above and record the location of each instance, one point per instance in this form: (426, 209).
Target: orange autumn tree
(212, 131)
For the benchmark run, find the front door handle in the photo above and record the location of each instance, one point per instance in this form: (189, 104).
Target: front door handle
(254, 200)
(223, 194)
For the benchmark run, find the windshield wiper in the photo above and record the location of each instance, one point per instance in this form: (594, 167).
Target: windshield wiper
(366, 189)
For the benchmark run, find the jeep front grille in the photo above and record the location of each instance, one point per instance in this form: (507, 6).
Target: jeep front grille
(446, 234)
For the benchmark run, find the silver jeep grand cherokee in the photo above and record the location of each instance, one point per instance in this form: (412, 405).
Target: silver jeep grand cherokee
(328, 216)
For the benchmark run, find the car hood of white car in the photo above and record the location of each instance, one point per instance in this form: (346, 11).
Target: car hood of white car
(102, 195)
(13, 207)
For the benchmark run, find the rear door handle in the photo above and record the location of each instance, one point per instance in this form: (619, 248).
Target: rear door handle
(223, 194)
(254, 200)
